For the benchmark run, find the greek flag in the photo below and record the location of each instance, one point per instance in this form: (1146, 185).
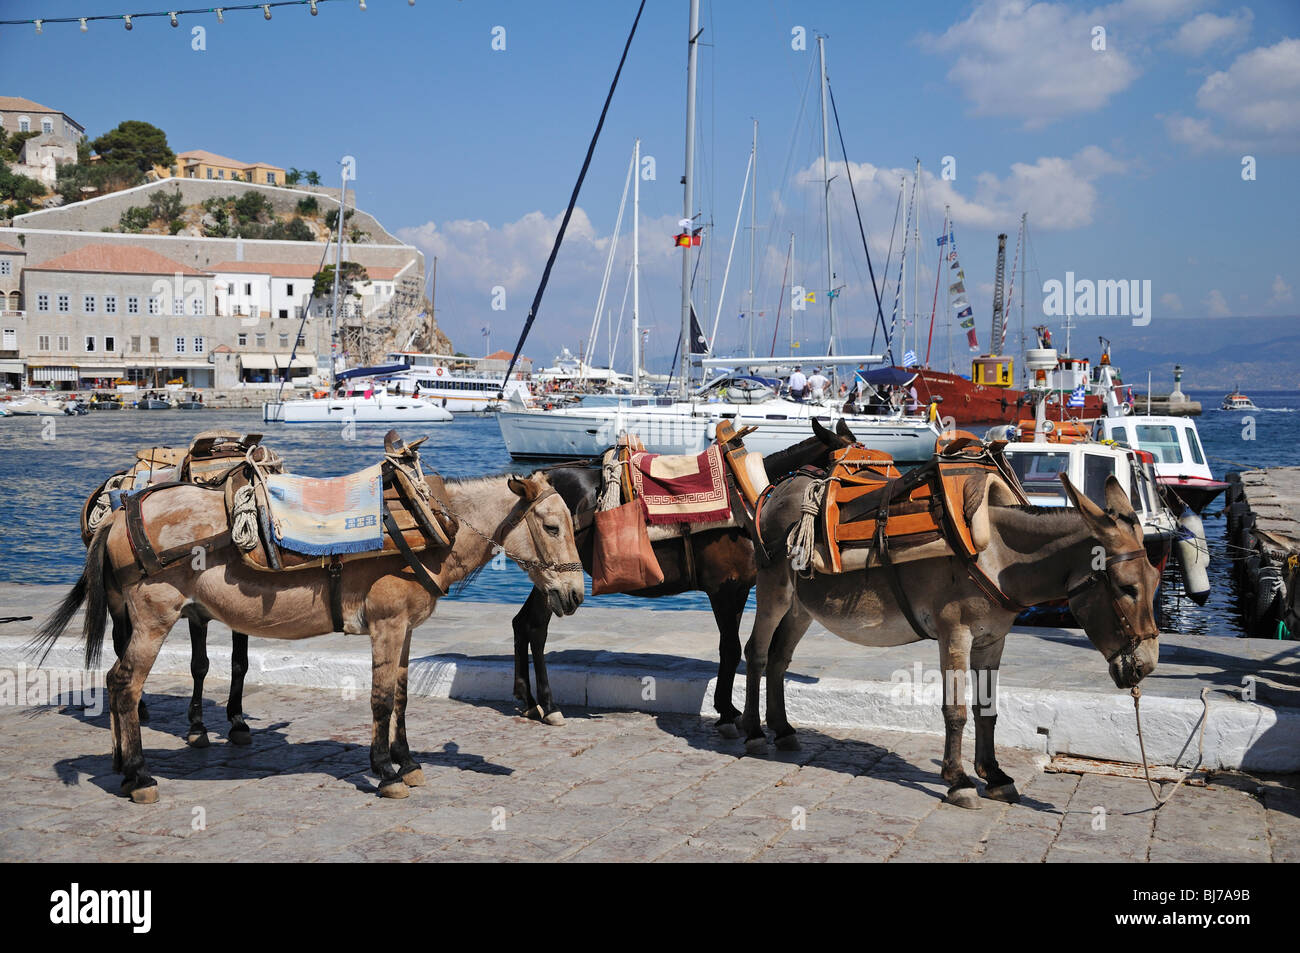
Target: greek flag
(909, 358)
(1076, 397)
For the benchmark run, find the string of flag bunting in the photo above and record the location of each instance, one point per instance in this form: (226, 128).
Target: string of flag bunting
(128, 19)
(957, 290)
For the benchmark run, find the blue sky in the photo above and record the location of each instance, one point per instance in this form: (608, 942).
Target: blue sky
(1128, 160)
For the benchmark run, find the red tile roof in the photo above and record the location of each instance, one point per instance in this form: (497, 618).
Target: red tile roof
(121, 259)
(10, 250)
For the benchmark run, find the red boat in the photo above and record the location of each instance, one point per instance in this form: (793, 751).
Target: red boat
(972, 403)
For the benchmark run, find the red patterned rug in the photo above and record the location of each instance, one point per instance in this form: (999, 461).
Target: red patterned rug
(681, 489)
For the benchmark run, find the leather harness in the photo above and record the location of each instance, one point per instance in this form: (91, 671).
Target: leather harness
(1099, 576)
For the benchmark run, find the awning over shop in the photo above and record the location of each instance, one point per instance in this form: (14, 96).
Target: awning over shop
(12, 367)
(54, 373)
(307, 363)
(258, 361)
(115, 371)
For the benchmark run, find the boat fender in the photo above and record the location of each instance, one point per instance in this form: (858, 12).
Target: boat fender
(1193, 557)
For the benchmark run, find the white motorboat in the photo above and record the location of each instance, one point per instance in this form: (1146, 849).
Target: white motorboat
(1237, 401)
(369, 404)
(34, 405)
(437, 378)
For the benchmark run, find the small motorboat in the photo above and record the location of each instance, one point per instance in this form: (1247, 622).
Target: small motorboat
(1180, 462)
(33, 405)
(99, 402)
(1237, 401)
(153, 402)
(190, 402)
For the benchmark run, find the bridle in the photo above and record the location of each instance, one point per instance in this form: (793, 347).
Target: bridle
(1122, 614)
(522, 512)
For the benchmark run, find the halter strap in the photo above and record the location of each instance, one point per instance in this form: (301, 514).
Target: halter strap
(1121, 613)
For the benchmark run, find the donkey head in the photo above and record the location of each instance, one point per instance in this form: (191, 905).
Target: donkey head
(1113, 594)
(539, 538)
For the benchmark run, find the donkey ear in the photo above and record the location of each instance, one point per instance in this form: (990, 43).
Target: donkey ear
(1092, 514)
(523, 487)
(843, 430)
(1118, 502)
(825, 436)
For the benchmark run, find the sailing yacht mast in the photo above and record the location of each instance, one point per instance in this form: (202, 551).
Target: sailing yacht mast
(338, 270)
(636, 268)
(692, 48)
(826, 200)
(753, 205)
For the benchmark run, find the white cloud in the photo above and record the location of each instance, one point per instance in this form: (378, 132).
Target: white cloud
(1217, 305)
(1281, 292)
(1257, 100)
(1206, 30)
(1193, 132)
(1036, 61)
(1171, 302)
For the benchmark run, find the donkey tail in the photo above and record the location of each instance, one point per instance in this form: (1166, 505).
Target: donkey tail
(91, 591)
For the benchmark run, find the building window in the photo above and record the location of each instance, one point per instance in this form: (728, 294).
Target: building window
(64, 304)
(110, 304)
(209, 173)
(221, 173)
(155, 304)
(248, 289)
(180, 345)
(178, 306)
(132, 304)
(134, 344)
(42, 342)
(6, 266)
(284, 313)
(260, 339)
(47, 125)
(288, 289)
(241, 339)
(110, 343)
(154, 345)
(90, 344)
(198, 345)
(42, 302)
(302, 341)
(270, 178)
(284, 340)
(87, 304)
(24, 124)
(65, 343)
(196, 306)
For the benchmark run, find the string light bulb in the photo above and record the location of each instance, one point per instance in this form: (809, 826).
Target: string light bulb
(127, 21)
(83, 25)
(220, 16)
(314, 11)
(39, 28)
(175, 22)
(266, 11)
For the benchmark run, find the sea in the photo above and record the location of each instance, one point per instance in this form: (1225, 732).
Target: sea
(48, 466)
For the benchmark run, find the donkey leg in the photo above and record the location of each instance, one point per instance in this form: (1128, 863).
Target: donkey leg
(775, 596)
(532, 614)
(999, 786)
(121, 639)
(408, 769)
(551, 714)
(386, 638)
(197, 736)
(728, 607)
(792, 628)
(239, 733)
(125, 683)
(954, 660)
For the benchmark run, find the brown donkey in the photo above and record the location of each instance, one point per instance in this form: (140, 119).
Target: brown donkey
(381, 597)
(1090, 556)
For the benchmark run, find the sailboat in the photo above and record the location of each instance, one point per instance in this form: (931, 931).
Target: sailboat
(362, 394)
(688, 423)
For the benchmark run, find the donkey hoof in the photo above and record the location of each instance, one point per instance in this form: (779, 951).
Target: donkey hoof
(240, 736)
(198, 739)
(535, 713)
(756, 746)
(788, 742)
(554, 718)
(728, 729)
(145, 795)
(413, 778)
(1003, 792)
(394, 789)
(964, 797)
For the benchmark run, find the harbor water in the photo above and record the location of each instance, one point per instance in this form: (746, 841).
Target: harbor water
(48, 466)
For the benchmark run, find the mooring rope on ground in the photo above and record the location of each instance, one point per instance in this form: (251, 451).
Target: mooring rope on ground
(1200, 745)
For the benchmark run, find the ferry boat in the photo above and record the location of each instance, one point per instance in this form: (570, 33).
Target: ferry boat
(1237, 401)
(363, 397)
(444, 380)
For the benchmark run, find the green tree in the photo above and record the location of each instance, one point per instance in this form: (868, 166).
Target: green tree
(313, 178)
(134, 143)
(323, 283)
(332, 218)
(19, 189)
(167, 205)
(299, 231)
(293, 177)
(250, 207)
(308, 206)
(135, 219)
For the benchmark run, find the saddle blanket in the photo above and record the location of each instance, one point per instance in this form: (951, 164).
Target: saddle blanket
(327, 517)
(681, 489)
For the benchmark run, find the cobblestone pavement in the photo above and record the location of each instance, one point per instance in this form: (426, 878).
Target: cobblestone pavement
(624, 786)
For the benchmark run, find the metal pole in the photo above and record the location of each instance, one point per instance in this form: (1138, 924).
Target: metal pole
(687, 199)
(826, 200)
(753, 205)
(338, 269)
(636, 267)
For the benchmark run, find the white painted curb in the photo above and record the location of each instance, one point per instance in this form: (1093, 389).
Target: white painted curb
(1239, 735)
